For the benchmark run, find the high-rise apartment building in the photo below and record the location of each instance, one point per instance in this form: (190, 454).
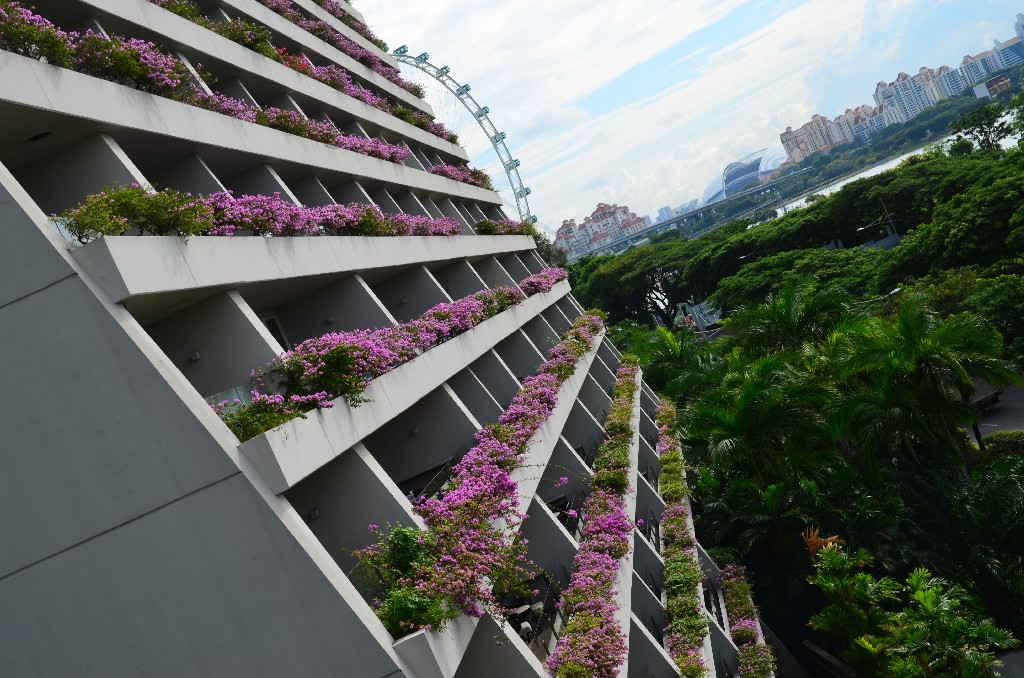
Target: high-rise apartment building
(142, 535)
(605, 224)
(819, 134)
(904, 98)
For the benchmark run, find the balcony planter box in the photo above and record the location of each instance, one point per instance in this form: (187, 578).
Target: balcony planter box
(287, 454)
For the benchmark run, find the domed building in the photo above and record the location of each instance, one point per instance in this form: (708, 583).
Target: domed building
(740, 174)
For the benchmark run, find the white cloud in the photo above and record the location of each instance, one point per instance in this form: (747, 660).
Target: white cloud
(534, 61)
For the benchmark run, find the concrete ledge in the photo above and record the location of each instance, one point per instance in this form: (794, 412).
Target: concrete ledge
(106, 106)
(543, 442)
(624, 577)
(649, 653)
(133, 266)
(320, 13)
(287, 454)
(202, 45)
(279, 24)
(437, 654)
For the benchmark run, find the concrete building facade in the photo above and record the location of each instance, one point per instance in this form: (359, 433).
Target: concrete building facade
(143, 537)
(605, 224)
(904, 98)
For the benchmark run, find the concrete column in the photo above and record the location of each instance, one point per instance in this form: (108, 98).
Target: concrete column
(449, 210)
(556, 319)
(493, 273)
(493, 213)
(190, 174)
(431, 207)
(464, 212)
(496, 377)
(236, 90)
(349, 192)
(413, 160)
(606, 354)
(322, 116)
(459, 279)
(407, 295)
(519, 353)
(424, 160)
(383, 199)
(261, 180)
(311, 192)
(65, 177)
(409, 203)
(196, 78)
(583, 433)
(217, 13)
(216, 343)
(602, 374)
(478, 214)
(343, 305)
(415, 445)
(286, 102)
(595, 398)
(570, 309)
(514, 266)
(343, 497)
(541, 334)
(471, 391)
(532, 262)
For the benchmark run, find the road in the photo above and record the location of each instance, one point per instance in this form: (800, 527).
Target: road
(1007, 414)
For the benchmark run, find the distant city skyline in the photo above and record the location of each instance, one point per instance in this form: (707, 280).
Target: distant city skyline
(904, 98)
(641, 103)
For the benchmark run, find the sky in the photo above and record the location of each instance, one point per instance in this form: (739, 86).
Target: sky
(641, 102)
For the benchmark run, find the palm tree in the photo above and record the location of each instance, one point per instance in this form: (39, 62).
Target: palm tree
(799, 312)
(909, 378)
(763, 419)
(680, 363)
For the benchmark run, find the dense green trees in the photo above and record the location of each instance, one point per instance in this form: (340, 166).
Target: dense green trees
(838, 395)
(925, 627)
(820, 411)
(959, 218)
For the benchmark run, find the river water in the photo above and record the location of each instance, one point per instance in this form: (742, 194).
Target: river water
(882, 167)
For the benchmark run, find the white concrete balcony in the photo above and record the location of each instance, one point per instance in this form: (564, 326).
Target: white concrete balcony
(81, 105)
(133, 11)
(264, 78)
(624, 576)
(127, 267)
(319, 12)
(647, 657)
(282, 26)
(289, 453)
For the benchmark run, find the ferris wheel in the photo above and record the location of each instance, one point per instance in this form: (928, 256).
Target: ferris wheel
(455, 107)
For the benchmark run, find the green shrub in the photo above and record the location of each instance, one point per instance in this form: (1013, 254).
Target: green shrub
(672, 482)
(250, 420)
(1004, 443)
(116, 211)
(33, 40)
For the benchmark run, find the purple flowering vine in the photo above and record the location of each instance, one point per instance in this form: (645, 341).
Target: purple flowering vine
(684, 611)
(543, 281)
(136, 209)
(504, 227)
(337, 10)
(318, 371)
(592, 643)
(755, 658)
(142, 65)
(469, 522)
(466, 175)
(333, 37)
